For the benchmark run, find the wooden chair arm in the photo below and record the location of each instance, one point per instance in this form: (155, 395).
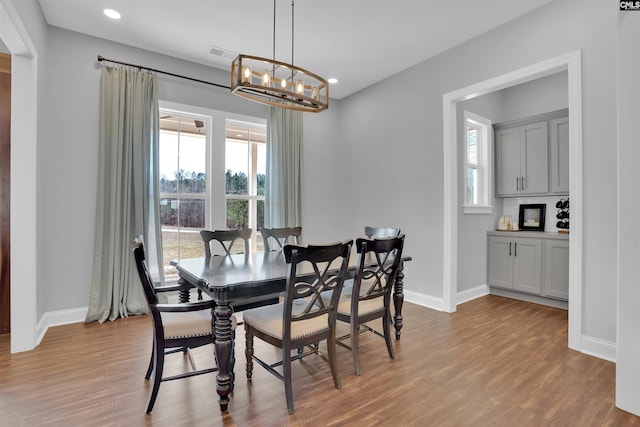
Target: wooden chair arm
(191, 306)
(169, 288)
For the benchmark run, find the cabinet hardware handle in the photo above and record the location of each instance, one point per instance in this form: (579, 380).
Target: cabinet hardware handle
(515, 249)
(517, 184)
(522, 183)
(509, 248)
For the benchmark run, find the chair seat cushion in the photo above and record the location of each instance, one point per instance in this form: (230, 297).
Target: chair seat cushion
(269, 320)
(188, 324)
(364, 307)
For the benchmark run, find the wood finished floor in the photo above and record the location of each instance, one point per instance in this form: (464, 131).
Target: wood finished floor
(495, 362)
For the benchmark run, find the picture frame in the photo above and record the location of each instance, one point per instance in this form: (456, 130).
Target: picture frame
(531, 217)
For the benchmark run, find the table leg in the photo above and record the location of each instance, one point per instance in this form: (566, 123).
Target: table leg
(398, 299)
(223, 330)
(185, 290)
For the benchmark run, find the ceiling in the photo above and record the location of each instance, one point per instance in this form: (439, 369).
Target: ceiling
(359, 42)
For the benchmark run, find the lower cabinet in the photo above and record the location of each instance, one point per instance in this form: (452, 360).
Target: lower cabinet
(556, 276)
(537, 266)
(515, 263)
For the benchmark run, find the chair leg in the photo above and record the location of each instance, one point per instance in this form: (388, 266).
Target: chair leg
(386, 325)
(331, 348)
(286, 373)
(157, 378)
(150, 368)
(248, 354)
(354, 344)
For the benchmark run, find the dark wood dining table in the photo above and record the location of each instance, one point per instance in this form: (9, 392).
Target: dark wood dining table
(242, 281)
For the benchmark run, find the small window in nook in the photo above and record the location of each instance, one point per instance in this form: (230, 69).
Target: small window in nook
(477, 164)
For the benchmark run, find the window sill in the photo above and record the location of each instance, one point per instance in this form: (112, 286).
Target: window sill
(477, 209)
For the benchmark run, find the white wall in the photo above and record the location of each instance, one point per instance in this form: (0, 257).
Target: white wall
(400, 120)
(628, 108)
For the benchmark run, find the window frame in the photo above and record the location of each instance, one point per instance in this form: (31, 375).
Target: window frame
(484, 165)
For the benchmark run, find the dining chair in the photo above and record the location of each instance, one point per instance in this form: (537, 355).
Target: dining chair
(372, 232)
(226, 240)
(304, 318)
(280, 236)
(370, 297)
(176, 327)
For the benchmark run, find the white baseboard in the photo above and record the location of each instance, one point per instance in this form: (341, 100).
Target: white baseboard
(438, 303)
(473, 293)
(424, 300)
(57, 318)
(599, 348)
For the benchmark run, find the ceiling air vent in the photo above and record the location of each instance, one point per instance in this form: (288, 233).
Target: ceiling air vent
(222, 53)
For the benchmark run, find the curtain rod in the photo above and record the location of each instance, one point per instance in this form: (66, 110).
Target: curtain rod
(101, 58)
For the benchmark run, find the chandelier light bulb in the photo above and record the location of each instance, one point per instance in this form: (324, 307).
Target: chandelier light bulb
(246, 75)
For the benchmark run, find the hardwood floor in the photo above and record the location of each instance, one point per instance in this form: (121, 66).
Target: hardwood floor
(495, 362)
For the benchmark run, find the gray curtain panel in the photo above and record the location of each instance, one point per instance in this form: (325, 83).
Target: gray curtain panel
(127, 200)
(283, 187)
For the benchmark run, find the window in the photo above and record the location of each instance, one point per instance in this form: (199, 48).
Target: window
(212, 176)
(183, 187)
(477, 164)
(245, 162)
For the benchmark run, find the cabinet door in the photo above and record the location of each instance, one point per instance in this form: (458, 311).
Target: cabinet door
(527, 265)
(534, 159)
(500, 262)
(507, 147)
(559, 146)
(556, 281)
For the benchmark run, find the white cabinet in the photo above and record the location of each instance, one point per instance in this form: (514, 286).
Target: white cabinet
(522, 160)
(532, 155)
(515, 263)
(520, 262)
(556, 269)
(559, 148)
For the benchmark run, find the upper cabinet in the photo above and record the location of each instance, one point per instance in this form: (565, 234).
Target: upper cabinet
(559, 146)
(532, 156)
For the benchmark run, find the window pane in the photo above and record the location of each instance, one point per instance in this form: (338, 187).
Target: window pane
(182, 158)
(237, 213)
(182, 174)
(176, 212)
(262, 168)
(472, 180)
(472, 146)
(260, 214)
(237, 165)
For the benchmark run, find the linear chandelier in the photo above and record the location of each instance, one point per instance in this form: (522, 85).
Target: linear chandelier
(277, 83)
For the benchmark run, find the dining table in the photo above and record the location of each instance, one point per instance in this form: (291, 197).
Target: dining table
(241, 281)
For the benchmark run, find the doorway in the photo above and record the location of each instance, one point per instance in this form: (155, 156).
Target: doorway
(23, 228)
(570, 62)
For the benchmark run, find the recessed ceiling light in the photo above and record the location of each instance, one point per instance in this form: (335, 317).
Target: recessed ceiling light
(333, 80)
(113, 14)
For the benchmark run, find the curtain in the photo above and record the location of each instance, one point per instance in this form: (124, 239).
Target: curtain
(127, 197)
(283, 187)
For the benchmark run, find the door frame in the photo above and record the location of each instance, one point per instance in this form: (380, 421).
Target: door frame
(572, 63)
(25, 258)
